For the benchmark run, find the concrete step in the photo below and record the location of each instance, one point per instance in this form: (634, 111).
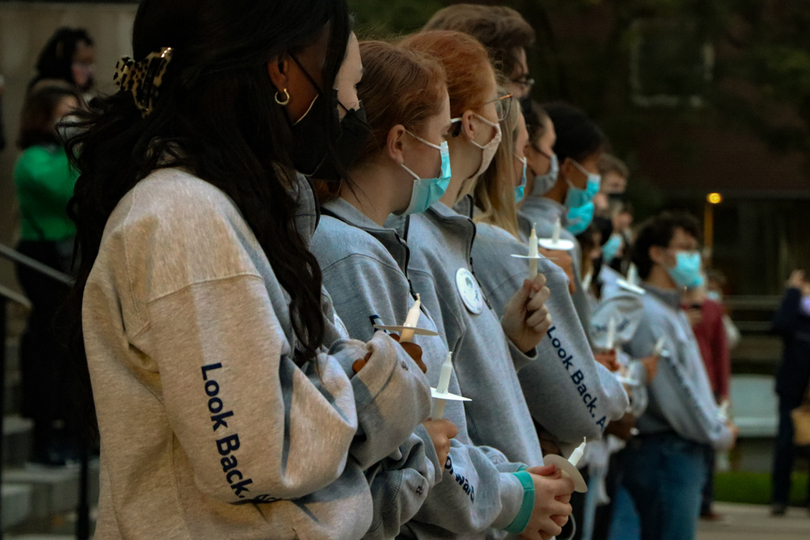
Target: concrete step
(54, 490)
(16, 504)
(17, 438)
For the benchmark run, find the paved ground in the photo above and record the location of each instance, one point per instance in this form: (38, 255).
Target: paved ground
(750, 522)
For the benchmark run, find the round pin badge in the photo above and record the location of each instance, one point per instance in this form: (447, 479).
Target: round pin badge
(469, 291)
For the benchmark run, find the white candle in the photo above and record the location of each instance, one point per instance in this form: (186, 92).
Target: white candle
(411, 321)
(611, 334)
(632, 275)
(441, 388)
(577, 454)
(533, 253)
(557, 229)
(659, 346)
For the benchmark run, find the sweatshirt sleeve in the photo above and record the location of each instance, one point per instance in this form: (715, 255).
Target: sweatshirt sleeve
(391, 394)
(252, 423)
(567, 391)
(471, 494)
(680, 392)
(399, 486)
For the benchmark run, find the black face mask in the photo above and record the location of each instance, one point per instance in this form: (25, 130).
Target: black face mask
(617, 197)
(354, 132)
(311, 138)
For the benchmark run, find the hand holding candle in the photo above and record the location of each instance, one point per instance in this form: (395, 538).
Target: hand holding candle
(568, 467)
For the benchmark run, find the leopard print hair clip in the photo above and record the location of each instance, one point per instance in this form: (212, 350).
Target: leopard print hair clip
(143, 78)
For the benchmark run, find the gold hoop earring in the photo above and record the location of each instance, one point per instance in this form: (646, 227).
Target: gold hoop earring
(285, 101)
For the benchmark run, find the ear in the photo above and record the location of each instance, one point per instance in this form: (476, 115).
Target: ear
(657, 255)
(567, 169)
(395, 143)
(278, 69)
(467, 125)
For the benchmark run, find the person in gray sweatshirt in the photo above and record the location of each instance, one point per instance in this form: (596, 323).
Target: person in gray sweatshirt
(578, 145)
(440, 268)
(665, 464)
(479, 493)
(569, 394)
(227, 407)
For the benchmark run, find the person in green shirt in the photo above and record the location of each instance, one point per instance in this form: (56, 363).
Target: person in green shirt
(44, 182)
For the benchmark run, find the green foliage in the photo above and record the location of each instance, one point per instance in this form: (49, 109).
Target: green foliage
(755, 488)
(386, 18)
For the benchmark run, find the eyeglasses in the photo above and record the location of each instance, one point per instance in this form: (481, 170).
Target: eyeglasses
(525, 81)
(503, 103)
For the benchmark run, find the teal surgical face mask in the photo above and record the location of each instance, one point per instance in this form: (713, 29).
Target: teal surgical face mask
(544, 182)
(520, 190)
(579, 218)
(686, 272)
(580, 197)
(612, 246)
(427, 191)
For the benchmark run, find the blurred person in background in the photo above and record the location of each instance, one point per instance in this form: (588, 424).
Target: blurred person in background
(565, 194)
(70, 57)
(44, 181)
(611, 196)
(502, 30)
(792, 322)
(666, 462)
(715, 285)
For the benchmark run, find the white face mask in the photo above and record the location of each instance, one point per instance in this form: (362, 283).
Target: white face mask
(488, 150)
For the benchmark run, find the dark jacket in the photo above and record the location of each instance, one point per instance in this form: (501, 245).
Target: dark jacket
(794, 327)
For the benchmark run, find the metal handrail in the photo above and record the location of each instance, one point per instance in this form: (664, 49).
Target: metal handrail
(15, 297)
(83, 510)
(34, 264)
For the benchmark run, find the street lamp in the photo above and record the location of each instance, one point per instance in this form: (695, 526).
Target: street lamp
(712, 199)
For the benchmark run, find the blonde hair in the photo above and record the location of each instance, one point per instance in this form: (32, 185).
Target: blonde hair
(494, 191)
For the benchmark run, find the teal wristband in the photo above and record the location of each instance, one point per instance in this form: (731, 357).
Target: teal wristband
(527, 507)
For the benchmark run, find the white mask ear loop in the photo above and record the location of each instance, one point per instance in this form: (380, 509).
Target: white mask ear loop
(423, 141)
(491, 124)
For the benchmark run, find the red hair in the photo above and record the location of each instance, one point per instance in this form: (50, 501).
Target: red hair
(465, 62)
(399, 86)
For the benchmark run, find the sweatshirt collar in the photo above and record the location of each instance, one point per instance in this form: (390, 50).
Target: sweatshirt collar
(548, 207)
(389, 236)
(670, 297)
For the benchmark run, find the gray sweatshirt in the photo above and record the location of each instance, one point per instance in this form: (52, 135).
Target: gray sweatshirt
(365, 265)
(680, 397)
(440, 269)
(570, 394)
(544, 212)
(200, 405)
